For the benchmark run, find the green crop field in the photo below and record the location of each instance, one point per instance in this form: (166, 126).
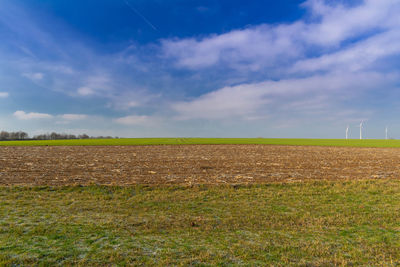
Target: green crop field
(307, 224)
(184, 141)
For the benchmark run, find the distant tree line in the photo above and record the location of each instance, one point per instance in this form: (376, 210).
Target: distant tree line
(58, 136)
(50, 136)
(13, 135)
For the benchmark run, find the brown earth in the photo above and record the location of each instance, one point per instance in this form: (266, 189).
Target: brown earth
(192, 164)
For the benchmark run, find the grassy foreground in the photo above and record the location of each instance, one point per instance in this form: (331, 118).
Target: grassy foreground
(183, 141)
(315, 223)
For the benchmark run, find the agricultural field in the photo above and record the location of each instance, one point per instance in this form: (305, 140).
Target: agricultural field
(225, 204)
(192, 164)
(206, 141)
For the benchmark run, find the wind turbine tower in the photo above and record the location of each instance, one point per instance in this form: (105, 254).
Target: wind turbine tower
(347, 132)
(361, 126)
(386, 133)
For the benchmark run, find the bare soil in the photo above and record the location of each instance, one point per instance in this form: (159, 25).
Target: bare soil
(192, 164)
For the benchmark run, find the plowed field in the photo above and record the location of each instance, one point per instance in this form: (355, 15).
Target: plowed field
(192, 164)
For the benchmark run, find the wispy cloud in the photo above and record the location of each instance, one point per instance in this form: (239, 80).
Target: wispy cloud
(336, 22)
(254, 48)
(133, 120)
(320, 64)
(85, 91)
(356, 57)
(74, 117)
(315, 94)
(22, 115)
(37, 76)
(4, 94)
(265, 45)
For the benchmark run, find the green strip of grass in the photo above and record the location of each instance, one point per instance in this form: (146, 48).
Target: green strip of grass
(316, 223)
(184, 141)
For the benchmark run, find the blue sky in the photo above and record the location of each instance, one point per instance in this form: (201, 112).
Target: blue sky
(153, 68)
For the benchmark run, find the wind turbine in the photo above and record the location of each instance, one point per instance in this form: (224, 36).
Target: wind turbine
(347, 132)
(386, 133)
(361, 126)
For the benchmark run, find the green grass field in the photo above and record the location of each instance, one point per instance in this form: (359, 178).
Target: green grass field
(310, 224)
(184, 141)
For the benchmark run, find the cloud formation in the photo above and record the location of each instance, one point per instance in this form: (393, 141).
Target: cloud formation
(356, 57)
(85, 91)
(74, 117)
(336, 61)
(254, 48)
(22, 115)
(4, 94)
(335, 56)
(34, 76)
(315, 94)
(133, 120)
(262, 46)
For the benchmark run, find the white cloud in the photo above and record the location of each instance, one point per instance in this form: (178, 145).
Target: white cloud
(133, 120)
(252, 47)
(355, 57)
(263, 46)
(314, 94)
(344, 41)
(338, 22)
(74, 116)
(22, 115)
(37, 76)
(132, 104)
(96, 84)
(4, 94)
(85, 91)
(100, 82)
(226, 102)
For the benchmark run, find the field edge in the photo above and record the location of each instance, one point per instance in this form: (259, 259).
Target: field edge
(207, 141)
